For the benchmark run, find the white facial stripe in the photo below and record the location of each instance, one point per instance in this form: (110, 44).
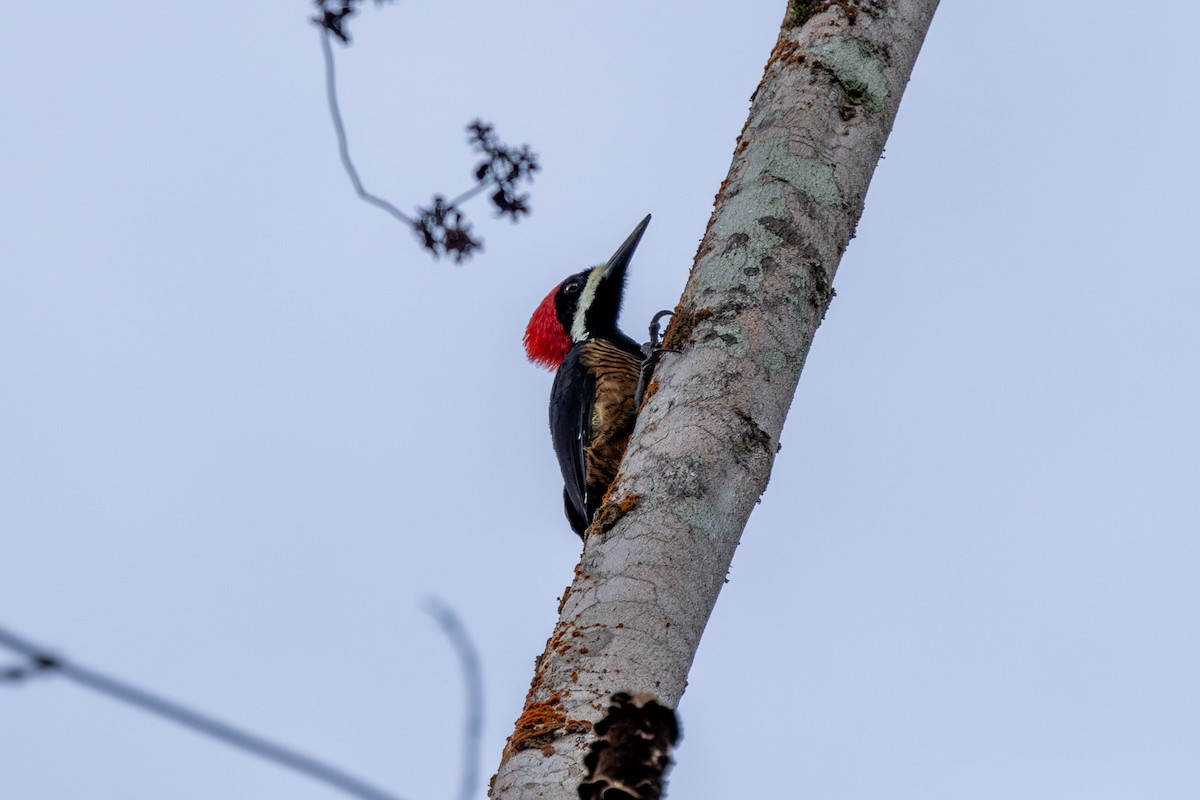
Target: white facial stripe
(579, 330)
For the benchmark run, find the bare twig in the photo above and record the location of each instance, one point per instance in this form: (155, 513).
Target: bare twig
(468, 657)
(292, 759)
(344, 146)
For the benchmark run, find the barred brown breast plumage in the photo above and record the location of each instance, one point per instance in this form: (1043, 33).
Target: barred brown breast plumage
(615, 372)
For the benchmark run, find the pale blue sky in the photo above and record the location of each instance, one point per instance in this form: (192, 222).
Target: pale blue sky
(246, 425)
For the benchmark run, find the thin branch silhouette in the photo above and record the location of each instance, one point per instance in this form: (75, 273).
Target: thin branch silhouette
(42, 661)
(344, 146)
(440, 227)
(468, 657)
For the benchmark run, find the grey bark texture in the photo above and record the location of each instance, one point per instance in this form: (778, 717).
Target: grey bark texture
(658, 551)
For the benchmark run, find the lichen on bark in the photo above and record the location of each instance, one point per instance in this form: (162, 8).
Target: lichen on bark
(706, 437)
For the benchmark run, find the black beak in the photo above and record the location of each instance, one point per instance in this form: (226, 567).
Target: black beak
(620, 260)
(600, 303)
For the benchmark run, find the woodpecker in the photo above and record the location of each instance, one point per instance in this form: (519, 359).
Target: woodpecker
(592, 409)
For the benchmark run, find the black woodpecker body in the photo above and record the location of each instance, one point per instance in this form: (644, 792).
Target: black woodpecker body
(574, 331)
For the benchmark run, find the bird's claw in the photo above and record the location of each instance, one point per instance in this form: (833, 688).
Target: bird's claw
(652, 346)
(651, 352)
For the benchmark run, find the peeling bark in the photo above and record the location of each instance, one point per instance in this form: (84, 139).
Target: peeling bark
(631, 750)
(701, 454)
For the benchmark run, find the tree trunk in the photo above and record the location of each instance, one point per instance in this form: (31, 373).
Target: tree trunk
(659, 548)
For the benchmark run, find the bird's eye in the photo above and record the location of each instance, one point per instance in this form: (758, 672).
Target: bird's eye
(571, 288)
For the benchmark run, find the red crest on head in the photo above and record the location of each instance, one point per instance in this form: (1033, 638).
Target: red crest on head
(546, 343)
